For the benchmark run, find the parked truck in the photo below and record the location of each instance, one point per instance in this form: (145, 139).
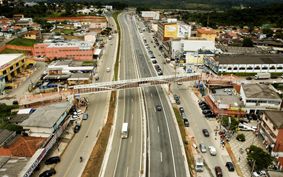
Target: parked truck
(262, 76)
(198, 163)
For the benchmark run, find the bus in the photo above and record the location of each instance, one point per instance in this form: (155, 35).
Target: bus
(124, 132)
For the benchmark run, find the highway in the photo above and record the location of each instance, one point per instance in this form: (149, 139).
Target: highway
(193, 112)
(164, 152)
(84, 141)
(125, 158)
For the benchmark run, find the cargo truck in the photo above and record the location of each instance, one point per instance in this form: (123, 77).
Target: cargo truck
(198, 163)
(262, 76)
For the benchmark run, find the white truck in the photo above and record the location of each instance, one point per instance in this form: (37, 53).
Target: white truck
(262, 76)
(198, 163)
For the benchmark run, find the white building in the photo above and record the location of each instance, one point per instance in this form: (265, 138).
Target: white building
(150, 15)
(108, 7)
(259, 97)
(83, 11)
(193, 48)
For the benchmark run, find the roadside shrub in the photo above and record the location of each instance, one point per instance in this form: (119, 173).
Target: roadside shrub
(241, 137)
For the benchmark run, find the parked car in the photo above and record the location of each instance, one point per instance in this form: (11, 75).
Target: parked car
(178, 102)
(176, 97)
(80, 111)
(274, 77)
(249, 78)
(243, 121)
(77, 128)
(210, 115)
(218, 171)
(212, 150)
(15, 102)
(2, 104)
(52, 160)
(230, 166)
(159, 73)
(213, 91)
(181, 109)
(201, 102)
(183, 115)
(186, 123)
(229, 93)
(205, 107)
(202, 147)
(47, 173)
(207, 111)
(205, 132)
(85, 116)
(158, 108)
(254, 116)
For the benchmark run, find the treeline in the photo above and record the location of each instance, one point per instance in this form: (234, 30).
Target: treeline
(253, 17)
(50, 9)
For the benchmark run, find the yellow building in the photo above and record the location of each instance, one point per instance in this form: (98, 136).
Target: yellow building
(36, 35)
(11, 65)
(206, 33)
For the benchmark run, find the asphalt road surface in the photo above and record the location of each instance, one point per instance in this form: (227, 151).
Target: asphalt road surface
(164, 152)
(125, 158)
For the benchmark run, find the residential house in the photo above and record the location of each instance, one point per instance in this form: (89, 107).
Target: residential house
(68, 27)
(275, 29)
(233, 35)
(206, 33)
(18, 17)
(36, 27)
(24, 22)
(77, 25)
(4, 25)
(271, 131)
(36, 35)
(259, 97)
(83, 11)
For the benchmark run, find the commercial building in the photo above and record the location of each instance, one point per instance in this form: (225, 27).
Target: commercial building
(79, 50)
(167, 30)
(193, 48)
(206, 33)
(245, 63)
(150, 15)
(24, 22)
(11, 65)
(259, 97)
(45, 120)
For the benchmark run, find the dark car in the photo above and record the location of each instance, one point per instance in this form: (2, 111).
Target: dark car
(205, 132)
(243, 121)
(183, 115)
(181, 109)
(186, 123)
(178, 102)
(249, 116)
(230, 166)
(213, 91)
(85, 116)
(202, 105)
(201, 102)
(8, 87)
(77, 128)
(218, 171)
(249, 78)
(154, 61)
(47, 173)
(254, 116)
(210, 115)
(176, 97)
(15, 102)
(274, 77)
(2, 104)
(207, 111)
(158, 108)
(52, 160)
(205, 107)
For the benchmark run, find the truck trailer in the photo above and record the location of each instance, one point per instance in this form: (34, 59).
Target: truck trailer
(262, 76)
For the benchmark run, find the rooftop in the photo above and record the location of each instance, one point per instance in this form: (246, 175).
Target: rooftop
(23, 146)
(4, 134)
(46, 116)
(12, 166)
(6, 58)
(206, 31)
(32, 32)
(18, 118)
(80, 44)
(259, 91)
(80, 76)
(249, 59)
(276, 117)
(228, 99)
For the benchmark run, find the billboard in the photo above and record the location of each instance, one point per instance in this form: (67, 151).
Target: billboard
(176, 30)
(170, 30)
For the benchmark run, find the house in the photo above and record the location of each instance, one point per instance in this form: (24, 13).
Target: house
(206, 33)
(36, 35)
(4, 25)
(45, 120)
(24, 22)
(97, 26)
(275, 29)
(68, 27)
(77, 25)
(83, 11)
(271, 131)
(259, 97)
(18, 17)
(233, 35)
(35, 27)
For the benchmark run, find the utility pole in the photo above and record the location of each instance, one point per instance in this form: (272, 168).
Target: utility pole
(253, 168)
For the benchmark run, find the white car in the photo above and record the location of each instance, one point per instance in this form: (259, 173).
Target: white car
(75, 113)
(74, 117)
(108, 69)
(227, 90)
(212, 150)
(80, 111)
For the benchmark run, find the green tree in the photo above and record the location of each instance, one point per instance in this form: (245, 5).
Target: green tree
(248, 42)
(234, 123)
(13, 127)
(259, 157)
(268, 32)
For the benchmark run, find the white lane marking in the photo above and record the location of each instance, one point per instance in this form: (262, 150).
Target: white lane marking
(151, 94)
(131, 139)
(127, 171)
(132, 116)
(132, 100)
(154, 110)
(161, 156)
(158, 129)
